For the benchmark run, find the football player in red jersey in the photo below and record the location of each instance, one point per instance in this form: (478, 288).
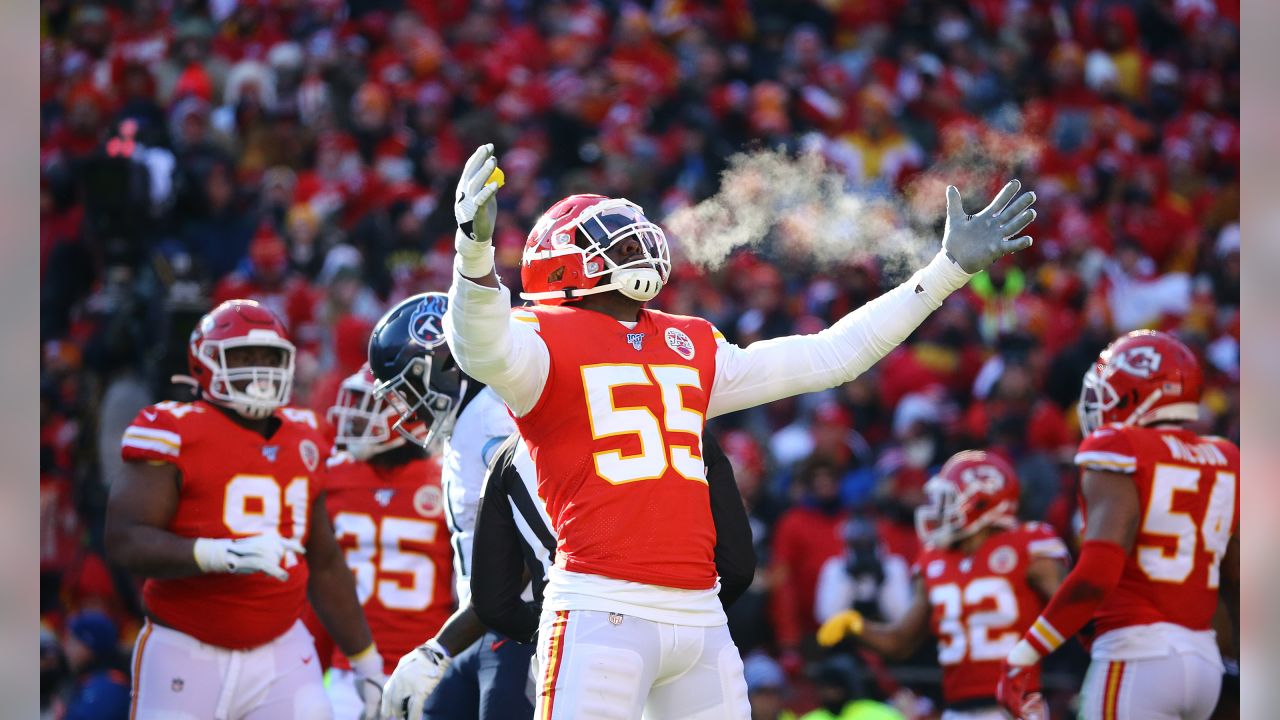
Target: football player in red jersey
(219, 508)
(1161, 508)
(980, 581)
(383, 495)
(611, 398)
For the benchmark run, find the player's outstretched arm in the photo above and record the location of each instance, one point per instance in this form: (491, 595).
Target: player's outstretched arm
(508, 356)
(782, 367)
(894, 641)
(142, 502)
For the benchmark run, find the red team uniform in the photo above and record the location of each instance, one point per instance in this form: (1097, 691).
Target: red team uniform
(390, 525)
(622, 505)
(235, 483)
(1189, 510)
(612, 411)
(230, 644)
(1152, 603)
(980, 605)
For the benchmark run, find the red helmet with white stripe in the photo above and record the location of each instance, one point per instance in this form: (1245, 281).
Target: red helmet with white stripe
(363, 421)
(564, 255)
(974, 489)
(1142, 378)
(215, 357)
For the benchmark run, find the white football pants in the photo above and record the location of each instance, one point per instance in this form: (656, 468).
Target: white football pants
(1180, 686)
(604, 666)
(177, 677)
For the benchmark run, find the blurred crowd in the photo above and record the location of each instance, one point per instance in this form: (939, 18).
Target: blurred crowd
(304, 153)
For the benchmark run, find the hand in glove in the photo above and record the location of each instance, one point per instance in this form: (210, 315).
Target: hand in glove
(258, 553)
(840, 626)
(975, 241)
(476, 210)
(367, 668)
(413, 681)
(1011, 692)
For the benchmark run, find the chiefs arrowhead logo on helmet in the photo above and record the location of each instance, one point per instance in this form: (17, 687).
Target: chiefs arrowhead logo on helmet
(1141, 361)
(565, 254)
(1142, 378)
(973, 490)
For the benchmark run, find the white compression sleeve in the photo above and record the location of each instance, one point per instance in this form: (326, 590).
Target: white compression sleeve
(507, 355)
(772, 369)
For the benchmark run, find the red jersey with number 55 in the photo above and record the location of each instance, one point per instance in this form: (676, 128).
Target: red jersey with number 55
(1189, 509)
(981, 604)
(389, 522)
(616, 437)
(235, 483)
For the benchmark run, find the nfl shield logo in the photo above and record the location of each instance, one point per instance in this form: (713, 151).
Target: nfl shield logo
(383, 496)
(635, 339)
(270, 451)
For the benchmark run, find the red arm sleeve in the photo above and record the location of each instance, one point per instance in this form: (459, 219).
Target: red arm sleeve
(1094, 577)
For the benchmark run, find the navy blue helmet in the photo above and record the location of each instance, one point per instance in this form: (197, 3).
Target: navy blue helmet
(413, 368)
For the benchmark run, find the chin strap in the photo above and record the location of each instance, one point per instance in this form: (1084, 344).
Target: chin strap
(641, 284)
(184, 380)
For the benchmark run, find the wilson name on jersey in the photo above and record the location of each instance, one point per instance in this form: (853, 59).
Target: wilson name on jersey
(981, 604)
(616, 438)
(1189, 509)
(235, 483)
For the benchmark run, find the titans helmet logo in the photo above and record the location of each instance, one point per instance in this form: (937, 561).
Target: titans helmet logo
(426, 324)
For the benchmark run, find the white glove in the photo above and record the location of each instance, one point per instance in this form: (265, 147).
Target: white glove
(975, 241)
(415, 678)
(476, 211)
(367, 668)
(258, 553)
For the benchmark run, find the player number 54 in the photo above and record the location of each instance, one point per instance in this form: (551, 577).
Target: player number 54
(1162, 520)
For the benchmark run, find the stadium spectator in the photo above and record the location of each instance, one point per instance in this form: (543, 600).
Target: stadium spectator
(101, 689)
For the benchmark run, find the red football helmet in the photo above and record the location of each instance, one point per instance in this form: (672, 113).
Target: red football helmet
(253, 391)
(363, 421)
(1142, 378)
(564, 255)
(973, 490)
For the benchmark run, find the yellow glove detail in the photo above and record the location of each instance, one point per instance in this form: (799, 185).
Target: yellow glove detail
(839, 627)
